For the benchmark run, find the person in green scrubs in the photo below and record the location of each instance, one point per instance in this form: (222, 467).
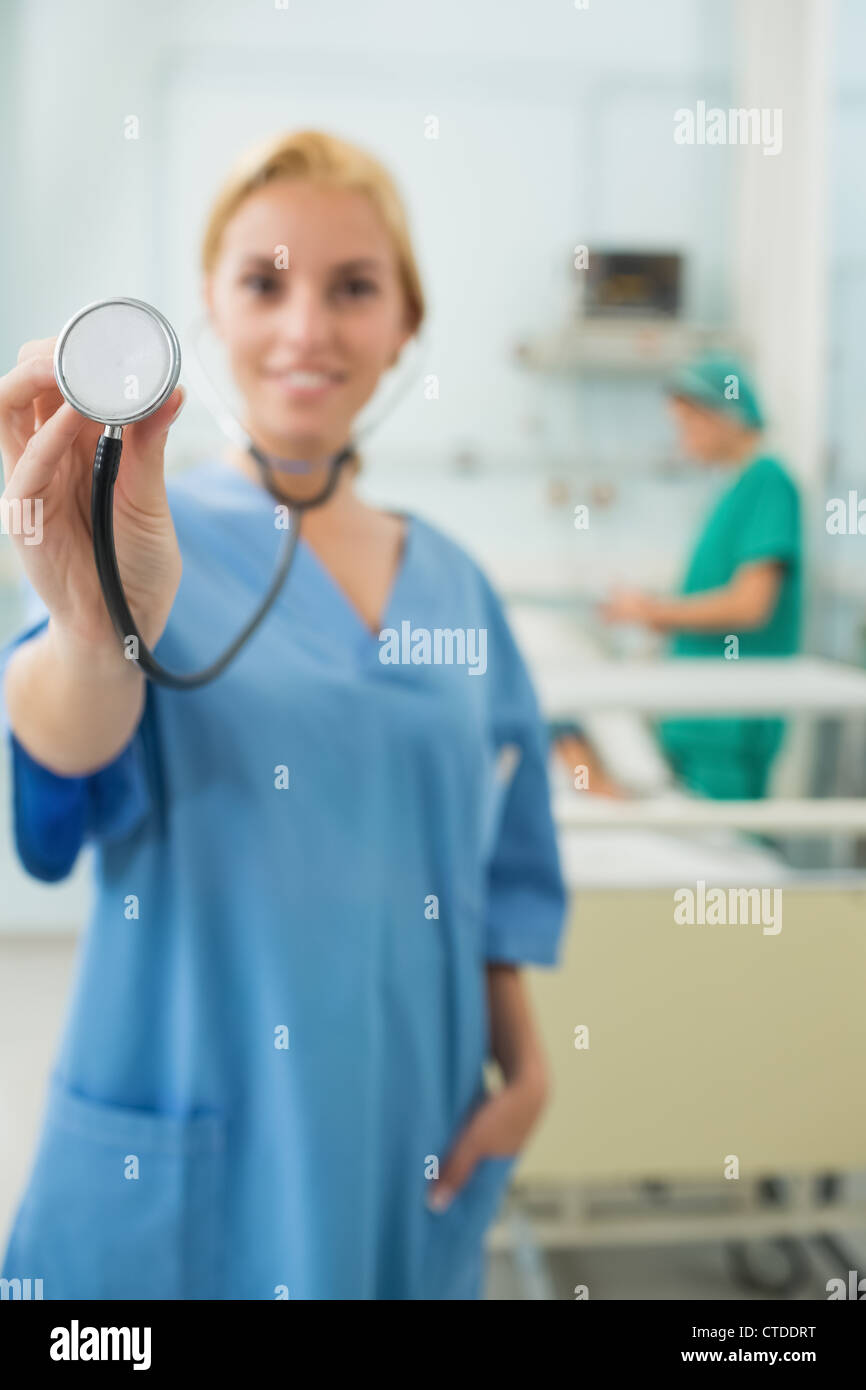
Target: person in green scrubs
(743, 580)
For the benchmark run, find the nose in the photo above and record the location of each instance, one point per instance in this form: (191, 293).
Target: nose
(304, 319)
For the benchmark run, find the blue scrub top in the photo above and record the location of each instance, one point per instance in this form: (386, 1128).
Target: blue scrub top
(279, 1019)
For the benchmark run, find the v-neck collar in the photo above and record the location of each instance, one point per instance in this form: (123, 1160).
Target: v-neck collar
(393, 588)
(326, 578)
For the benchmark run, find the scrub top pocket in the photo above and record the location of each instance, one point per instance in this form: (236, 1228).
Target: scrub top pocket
(454, 1265)
(89, 1231)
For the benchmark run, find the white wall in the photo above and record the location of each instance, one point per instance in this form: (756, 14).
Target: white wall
(555, 127)
(783, 49)
(843, 556)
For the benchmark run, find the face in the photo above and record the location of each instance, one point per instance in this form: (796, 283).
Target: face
(705, 435)
(307, 341)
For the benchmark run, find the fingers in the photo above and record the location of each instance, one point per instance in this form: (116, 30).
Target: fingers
(20, 387)
(457, 1169)
(43, 452)
(46, 403)
(19, 391)
(37, 347)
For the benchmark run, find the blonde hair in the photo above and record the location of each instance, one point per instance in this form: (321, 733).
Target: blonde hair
(317, 157)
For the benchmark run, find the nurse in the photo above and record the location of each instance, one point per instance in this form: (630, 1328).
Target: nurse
(743, 579)
(314, 883)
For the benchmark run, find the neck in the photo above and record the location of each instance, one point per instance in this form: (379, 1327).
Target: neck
(298, 486)
(743, 450)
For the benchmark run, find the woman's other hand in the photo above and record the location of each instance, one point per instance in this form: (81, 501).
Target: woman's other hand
(498, 1129)
(500, 1126)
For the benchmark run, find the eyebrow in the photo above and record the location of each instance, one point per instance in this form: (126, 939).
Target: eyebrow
(359, 263)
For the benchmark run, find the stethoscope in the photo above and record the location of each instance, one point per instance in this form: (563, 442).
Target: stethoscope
(117, 361)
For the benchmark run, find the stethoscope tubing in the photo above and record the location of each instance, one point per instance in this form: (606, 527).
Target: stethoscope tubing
(105, 466)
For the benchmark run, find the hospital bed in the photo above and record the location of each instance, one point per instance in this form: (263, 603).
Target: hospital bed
(707, 1044)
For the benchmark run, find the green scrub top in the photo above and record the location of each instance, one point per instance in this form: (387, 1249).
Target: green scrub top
(756, 518)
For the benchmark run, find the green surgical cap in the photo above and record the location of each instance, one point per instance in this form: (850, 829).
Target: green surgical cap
(719, 383)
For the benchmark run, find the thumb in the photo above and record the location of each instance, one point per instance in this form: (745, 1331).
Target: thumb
(161, 419)
(152, 431)
(145, 443)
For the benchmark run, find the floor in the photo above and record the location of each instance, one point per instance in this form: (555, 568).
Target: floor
(666, 1273)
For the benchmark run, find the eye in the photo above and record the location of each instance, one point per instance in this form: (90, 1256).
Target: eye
(357, 287)
(261, 284)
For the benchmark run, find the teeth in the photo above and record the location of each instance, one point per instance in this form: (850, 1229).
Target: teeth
(306, 379)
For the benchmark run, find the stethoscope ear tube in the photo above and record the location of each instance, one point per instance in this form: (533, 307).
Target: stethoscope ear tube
(105, 467)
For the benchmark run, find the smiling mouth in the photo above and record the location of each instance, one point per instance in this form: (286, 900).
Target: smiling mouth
(298, 382)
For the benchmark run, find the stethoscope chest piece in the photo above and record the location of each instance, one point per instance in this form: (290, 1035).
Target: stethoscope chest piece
(117, 361)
